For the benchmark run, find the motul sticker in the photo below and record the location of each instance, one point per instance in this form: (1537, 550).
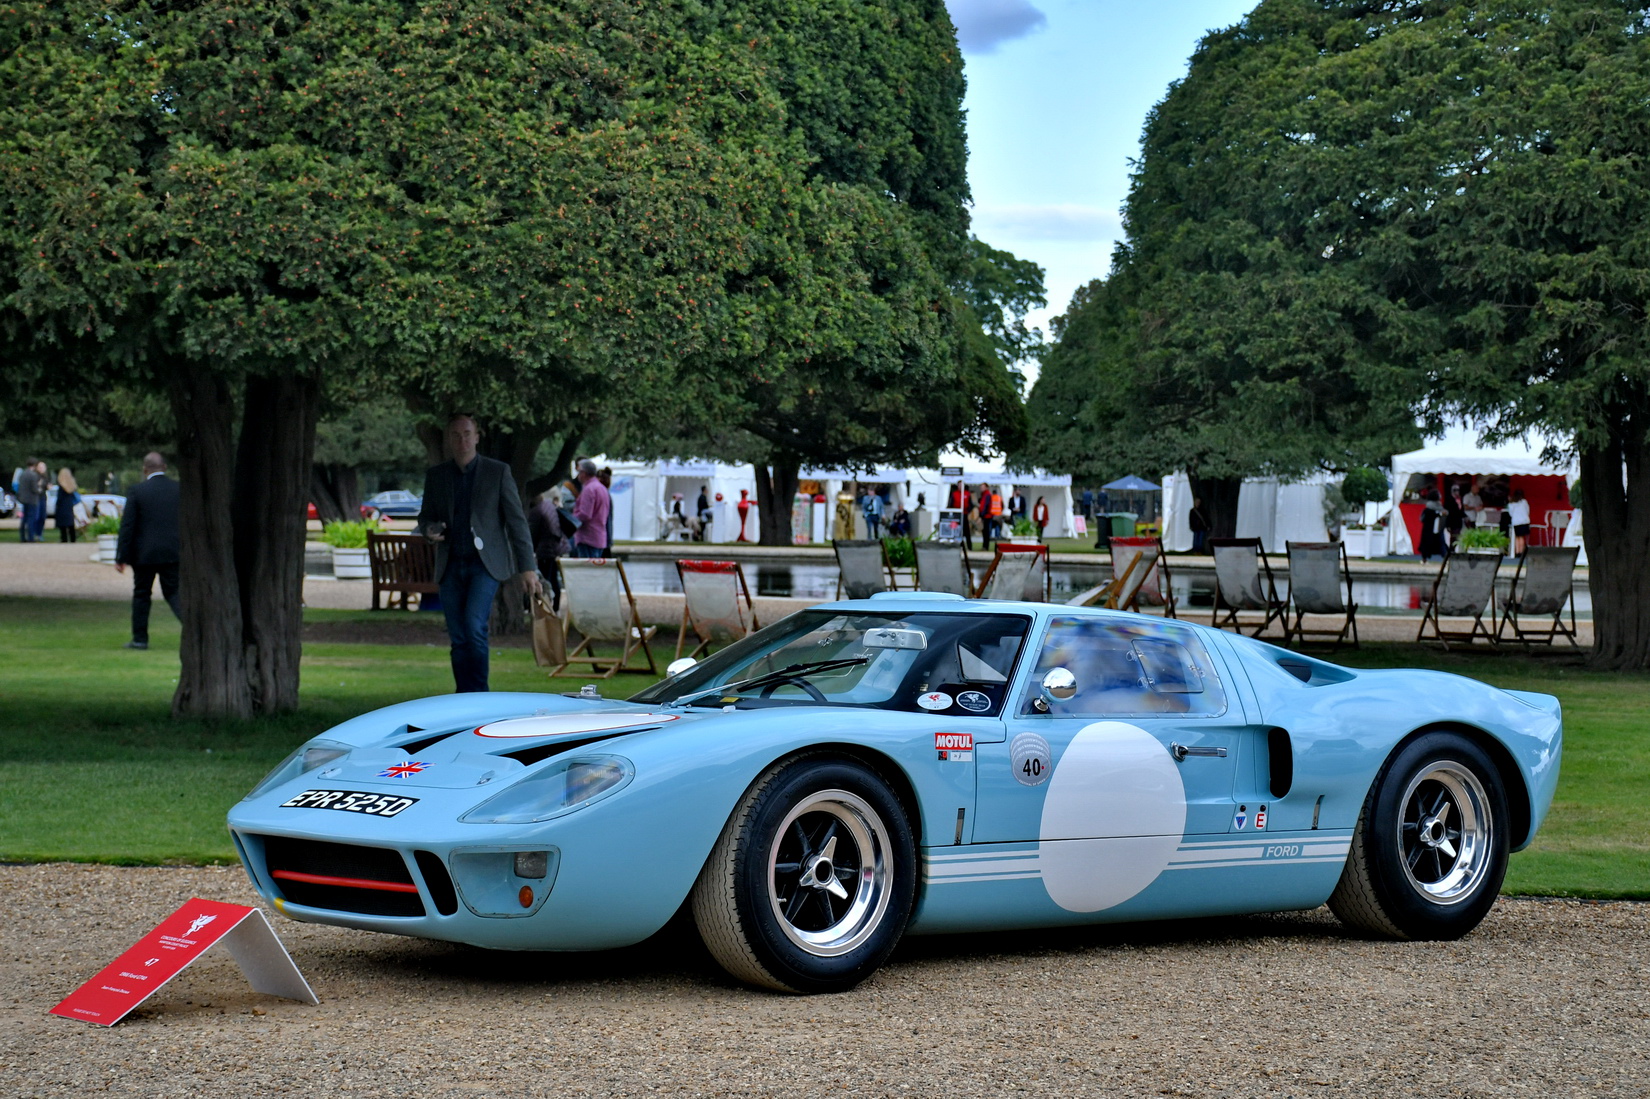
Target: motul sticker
(961, 742)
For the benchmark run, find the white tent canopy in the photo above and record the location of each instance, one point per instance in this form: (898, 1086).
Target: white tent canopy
(1459, 451)
(642, 493)
(1276, 512)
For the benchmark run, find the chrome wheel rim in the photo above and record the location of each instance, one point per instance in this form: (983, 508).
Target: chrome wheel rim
(1444, 832)
(830, 869)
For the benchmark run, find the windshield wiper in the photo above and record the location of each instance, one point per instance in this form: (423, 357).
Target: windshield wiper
(781, 675)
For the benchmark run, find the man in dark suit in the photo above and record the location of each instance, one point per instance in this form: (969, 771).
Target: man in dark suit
(472, 513)
(149, 543)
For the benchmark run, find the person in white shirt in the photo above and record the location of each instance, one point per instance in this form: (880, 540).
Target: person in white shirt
(1474, 505)
(1518, 511)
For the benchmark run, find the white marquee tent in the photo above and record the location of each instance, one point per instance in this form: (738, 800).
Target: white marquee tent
(1274, 511)
(1459, 451)
(642, 493)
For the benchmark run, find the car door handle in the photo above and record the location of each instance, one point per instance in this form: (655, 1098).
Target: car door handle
(1181, 751)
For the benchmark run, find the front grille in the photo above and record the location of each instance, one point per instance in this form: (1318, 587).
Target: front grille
(370, 880)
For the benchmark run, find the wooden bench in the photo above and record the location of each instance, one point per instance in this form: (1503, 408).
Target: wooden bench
(403, 565)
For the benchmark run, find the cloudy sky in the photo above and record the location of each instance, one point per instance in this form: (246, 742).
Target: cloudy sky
(1057, 93)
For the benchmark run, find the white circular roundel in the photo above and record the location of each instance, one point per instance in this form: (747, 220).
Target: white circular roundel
(1114, 815)
(561, 724)
(1030, 759)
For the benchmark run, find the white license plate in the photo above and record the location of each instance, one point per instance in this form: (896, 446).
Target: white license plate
(350, 801)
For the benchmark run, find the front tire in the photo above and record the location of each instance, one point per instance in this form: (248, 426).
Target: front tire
(1430, 851)
(812, 881)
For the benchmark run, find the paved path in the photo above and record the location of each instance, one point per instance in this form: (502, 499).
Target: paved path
(1547, 998)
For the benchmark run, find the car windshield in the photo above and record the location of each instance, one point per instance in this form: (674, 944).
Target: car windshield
(887, 661)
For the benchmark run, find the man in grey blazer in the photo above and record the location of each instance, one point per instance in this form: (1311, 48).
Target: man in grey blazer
(472, 513)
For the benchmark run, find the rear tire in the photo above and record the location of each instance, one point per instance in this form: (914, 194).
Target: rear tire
(812, 881)
(1430, 851)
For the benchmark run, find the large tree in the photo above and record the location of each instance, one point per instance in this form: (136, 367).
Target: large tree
(238, 205)
(1440, 200)
(853, 338)
(1216, 345)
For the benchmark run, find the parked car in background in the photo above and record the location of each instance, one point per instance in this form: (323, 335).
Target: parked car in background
(8, 504)
(392, 504)
(97, 503)
(914, 763)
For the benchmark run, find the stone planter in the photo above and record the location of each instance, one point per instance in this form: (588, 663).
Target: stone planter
(106, 544)
(1367, 544)
(351, 564)
(1019, 539)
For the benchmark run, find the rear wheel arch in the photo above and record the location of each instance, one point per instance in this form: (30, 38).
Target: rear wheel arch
(1507, 769)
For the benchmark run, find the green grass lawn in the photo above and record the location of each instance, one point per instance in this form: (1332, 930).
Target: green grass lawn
(93, 768)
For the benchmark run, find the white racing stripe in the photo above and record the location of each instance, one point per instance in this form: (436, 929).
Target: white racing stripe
(943, 868)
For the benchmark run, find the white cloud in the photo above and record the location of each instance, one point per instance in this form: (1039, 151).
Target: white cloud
(983, 25)
(1055, 221)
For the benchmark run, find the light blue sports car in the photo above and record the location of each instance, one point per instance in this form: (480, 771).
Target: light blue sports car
(914, 763)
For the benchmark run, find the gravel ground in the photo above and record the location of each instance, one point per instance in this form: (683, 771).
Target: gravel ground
(1546, 998)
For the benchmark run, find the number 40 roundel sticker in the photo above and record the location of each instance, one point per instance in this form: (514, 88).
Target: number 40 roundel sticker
(1028, 754)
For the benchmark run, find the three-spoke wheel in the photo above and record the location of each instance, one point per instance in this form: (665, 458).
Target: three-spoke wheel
(1431, 846)
(812, 881)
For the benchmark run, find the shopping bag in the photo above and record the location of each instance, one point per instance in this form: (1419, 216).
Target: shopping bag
(549, 636)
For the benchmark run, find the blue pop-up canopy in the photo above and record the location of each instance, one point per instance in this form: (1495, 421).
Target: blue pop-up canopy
(1131, 483)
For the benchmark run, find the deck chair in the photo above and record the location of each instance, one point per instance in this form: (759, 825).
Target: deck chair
(716, 604)
(1244, 582)
(1153, 587)
(1464, 588)
(1542, 585)
(1317, 573)
(601, 608)
(1018, 572)
(943, 566)
(862, 568)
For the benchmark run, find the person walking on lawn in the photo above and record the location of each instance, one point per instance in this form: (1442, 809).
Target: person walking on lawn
(592, 511)
(473, 514)
(148, 542)
(29, 492)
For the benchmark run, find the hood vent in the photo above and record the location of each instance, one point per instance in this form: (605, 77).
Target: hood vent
(530, 756)
(415, 746)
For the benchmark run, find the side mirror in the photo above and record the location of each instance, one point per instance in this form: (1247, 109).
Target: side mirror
(1059, 683)
(677, 667)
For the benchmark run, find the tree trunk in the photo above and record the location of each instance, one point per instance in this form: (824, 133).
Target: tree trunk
(560, 468)
(1616, 527)
(775, 494)
(271, 480)
(336, 492)
(212, 681)
(1220, 503)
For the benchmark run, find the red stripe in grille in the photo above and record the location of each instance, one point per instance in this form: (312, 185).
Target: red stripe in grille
(351, 883)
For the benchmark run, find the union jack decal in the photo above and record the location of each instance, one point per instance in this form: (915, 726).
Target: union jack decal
(403, 770)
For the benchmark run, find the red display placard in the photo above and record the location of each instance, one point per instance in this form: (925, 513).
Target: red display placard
(166, 951)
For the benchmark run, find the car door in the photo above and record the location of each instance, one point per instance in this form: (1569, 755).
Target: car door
(1144, 749)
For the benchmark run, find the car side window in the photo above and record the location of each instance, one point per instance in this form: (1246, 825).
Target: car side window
(1126, 668)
